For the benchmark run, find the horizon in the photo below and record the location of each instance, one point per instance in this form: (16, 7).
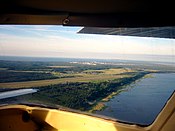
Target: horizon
(59, 41)
(55, 59)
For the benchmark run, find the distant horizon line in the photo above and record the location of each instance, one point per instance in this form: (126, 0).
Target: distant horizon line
(106, 59)
(87, 58)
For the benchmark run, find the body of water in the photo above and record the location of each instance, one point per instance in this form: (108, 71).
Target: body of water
(143, 100)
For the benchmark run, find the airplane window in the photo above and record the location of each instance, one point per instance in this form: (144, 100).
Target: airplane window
(127, 78)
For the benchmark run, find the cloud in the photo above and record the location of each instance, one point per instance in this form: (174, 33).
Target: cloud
(51, 44)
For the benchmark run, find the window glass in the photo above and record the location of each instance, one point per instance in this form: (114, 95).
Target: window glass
(127, 78)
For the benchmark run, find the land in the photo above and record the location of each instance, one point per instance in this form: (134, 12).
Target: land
(85, 76)
(82, 85)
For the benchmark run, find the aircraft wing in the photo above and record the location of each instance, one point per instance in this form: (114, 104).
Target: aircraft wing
(160, 32)
(18, 92)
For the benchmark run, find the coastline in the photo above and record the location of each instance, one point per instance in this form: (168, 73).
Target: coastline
(100, 105)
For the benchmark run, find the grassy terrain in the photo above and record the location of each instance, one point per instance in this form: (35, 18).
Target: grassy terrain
(77, 86)
(98, 107)
(108, 74)
(81, 95)
(12, 76)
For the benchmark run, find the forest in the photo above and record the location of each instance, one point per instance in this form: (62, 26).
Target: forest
(74, 84)
(81, 96)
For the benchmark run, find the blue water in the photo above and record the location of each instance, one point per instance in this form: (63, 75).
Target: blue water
(143, 101)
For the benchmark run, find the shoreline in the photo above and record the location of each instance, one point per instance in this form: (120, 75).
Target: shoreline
(100, 105)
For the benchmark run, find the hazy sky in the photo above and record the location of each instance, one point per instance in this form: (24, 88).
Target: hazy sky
(59, 41)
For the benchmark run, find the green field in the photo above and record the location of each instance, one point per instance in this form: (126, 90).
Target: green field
(107, 74)
(72, 85)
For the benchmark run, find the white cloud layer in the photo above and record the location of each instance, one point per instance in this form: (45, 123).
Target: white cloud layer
(89, 46)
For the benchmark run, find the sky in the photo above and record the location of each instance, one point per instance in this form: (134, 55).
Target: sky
(59, 41)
